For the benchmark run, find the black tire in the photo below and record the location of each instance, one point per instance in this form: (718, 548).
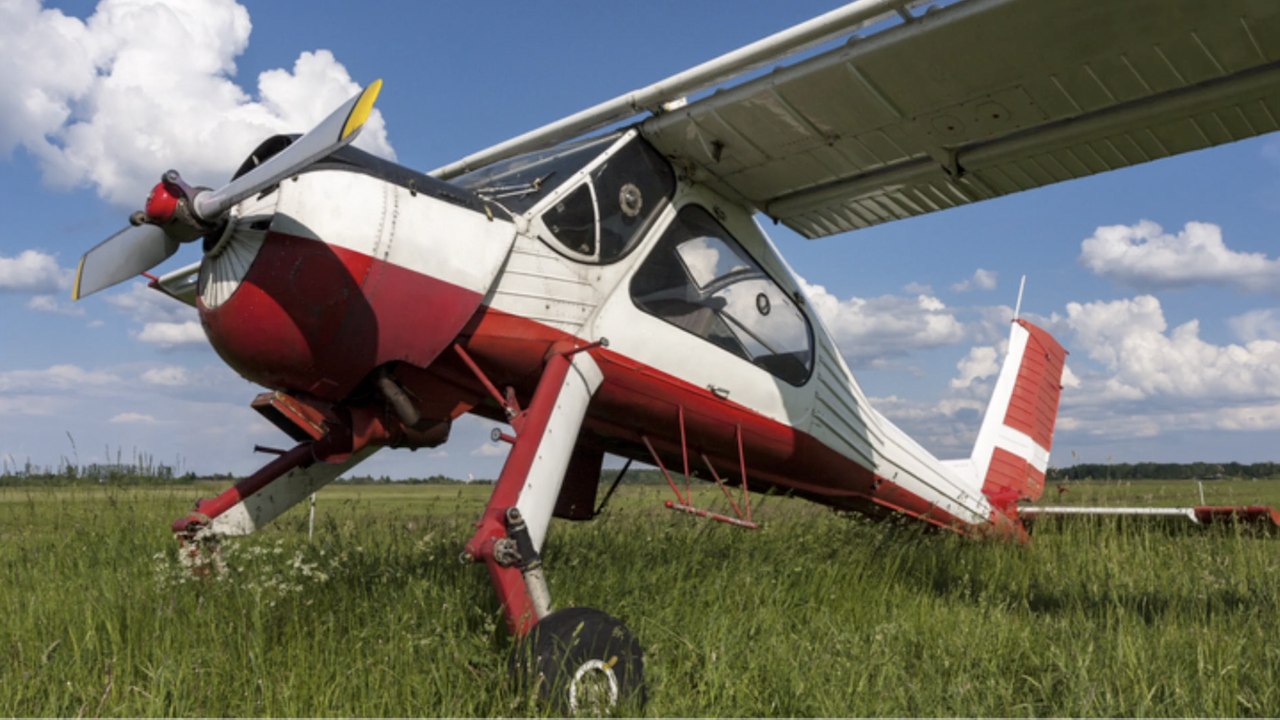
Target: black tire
(581, 661)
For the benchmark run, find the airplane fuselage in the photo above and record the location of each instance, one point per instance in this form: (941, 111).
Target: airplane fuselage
(715, 364)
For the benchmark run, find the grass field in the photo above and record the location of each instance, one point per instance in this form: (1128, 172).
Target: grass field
(817, 614)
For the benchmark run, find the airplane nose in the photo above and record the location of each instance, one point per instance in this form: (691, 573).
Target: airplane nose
(296, 319)
(334, 273)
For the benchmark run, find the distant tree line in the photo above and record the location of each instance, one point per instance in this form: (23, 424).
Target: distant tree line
(432, 480)
(1165, 471)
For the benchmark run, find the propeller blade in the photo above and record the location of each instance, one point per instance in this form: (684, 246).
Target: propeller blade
(128, 253)
(141, 247)
(333, 133)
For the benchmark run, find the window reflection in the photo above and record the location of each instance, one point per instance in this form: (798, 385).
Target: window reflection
(700, 280)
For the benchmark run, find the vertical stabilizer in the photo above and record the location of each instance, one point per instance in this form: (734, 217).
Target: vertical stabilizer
(1012, 451)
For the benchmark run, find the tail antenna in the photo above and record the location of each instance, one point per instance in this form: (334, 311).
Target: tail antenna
(1017, 308)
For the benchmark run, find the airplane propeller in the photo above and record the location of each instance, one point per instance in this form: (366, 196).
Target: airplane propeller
(177, 213)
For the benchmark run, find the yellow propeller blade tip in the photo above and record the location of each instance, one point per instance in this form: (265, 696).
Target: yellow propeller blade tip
(364, 106)
(75, 289)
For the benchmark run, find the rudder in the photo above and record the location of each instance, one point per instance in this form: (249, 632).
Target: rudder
(1011, 453)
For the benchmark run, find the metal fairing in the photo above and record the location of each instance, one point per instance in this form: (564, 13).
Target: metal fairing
(542, 285)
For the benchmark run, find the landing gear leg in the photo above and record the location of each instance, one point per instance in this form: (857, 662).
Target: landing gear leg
(577, 657)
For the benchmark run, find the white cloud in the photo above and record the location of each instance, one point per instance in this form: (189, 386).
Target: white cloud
(52, 304)
(133, 418)
(981, 280)
(947, 427)
(1256, 325)
(1146, 257)
(168, 376)
(145, 85)
(888, 325)
(146, 305)
(171, 334)
(1160, 370)
(32, 405)
(490, 449)
(55, 377)
(980, 364)
(1070, 380)
(32, 271)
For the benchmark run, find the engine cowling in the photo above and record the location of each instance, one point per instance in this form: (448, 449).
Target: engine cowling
(337, 272)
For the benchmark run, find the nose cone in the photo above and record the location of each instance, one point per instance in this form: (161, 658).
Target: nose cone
(298, 320)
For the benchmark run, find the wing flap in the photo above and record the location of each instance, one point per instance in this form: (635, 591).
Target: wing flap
(979, 99)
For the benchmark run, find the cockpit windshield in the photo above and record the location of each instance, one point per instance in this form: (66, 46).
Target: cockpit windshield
(518, 183)
(593, 217)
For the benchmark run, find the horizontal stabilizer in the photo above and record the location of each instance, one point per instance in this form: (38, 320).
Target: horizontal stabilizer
(1200, 515)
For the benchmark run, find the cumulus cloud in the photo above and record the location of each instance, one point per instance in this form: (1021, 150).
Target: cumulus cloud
(889, 325)
(1144, 256)
(490, 449)
(981, 280)
(55, 377)
(980, 364)
(167, 376)
(1256, 325)
(947, 427)
(53, 304)
(172, 334)
(145, 305)
(145, 85)
(32, 271)
(1145, 359)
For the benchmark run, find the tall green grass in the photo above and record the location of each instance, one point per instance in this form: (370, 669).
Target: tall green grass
(817, 614)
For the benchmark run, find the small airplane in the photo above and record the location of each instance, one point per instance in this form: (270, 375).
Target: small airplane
(601, 286)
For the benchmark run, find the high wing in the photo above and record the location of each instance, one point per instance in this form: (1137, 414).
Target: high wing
(978, 99)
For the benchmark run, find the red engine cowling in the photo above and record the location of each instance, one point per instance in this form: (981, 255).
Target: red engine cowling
(334, 274)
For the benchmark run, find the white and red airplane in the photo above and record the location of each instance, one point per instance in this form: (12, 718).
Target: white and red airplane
(601, 284)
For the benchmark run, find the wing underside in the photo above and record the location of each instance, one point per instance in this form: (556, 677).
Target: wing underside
(979, 99)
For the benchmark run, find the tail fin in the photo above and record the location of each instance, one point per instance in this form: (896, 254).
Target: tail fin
(1012, 450)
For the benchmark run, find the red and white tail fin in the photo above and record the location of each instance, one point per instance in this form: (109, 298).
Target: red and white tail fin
(1012, 450)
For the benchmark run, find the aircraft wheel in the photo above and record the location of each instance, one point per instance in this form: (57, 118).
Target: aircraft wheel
(581, 661)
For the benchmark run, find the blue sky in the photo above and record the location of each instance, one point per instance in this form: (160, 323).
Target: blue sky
(1174, 331)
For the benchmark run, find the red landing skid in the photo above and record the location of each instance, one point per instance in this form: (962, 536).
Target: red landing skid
(685, 504)
(1259, 515)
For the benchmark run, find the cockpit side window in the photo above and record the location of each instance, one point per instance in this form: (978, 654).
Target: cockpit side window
(573, 221)
(601, 219)
(632, 187)
(699, 279)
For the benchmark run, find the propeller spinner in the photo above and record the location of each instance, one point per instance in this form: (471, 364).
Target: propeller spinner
(177, 213)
